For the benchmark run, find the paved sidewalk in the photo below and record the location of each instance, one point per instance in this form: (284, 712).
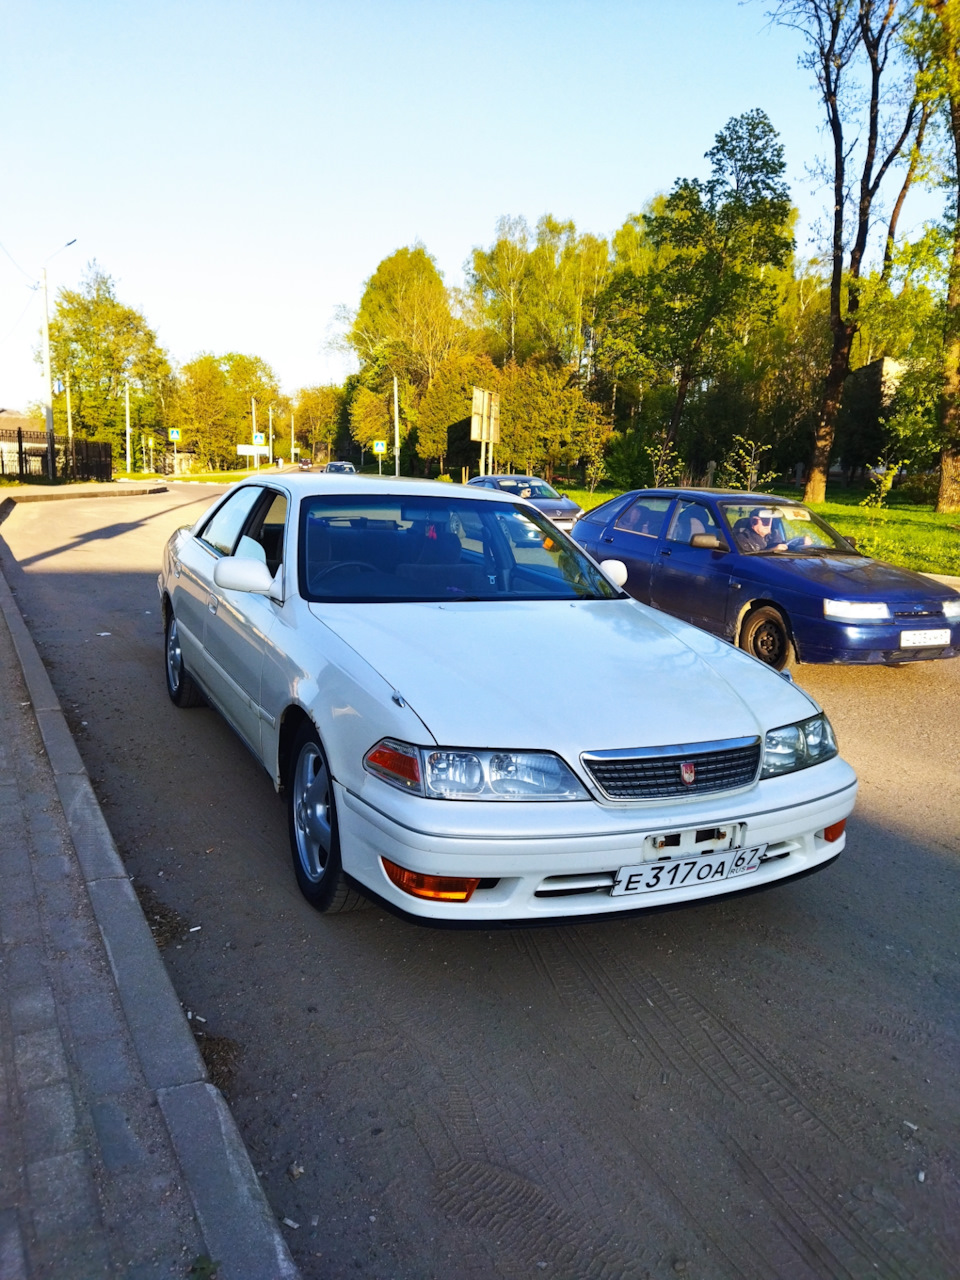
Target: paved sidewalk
(117, 1156)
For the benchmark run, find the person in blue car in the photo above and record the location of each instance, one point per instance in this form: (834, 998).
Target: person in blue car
(756, 533)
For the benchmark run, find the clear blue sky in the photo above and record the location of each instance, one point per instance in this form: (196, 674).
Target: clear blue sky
(241, 168)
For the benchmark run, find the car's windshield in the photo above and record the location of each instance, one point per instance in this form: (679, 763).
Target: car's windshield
(525, 487)
(391, 548)
(780, 528)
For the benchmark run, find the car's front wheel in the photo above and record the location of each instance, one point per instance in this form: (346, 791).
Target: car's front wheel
(314, 834)
(181, 686)
(765, 634)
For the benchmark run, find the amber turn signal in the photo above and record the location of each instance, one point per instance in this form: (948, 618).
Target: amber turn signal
(437, 888)
(834, 831)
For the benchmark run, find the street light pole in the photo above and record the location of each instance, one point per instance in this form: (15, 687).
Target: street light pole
(126, 397)
(48, 386)
(396, 428)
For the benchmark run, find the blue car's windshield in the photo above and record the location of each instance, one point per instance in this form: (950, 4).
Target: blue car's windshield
(777, 527)
(397, 548)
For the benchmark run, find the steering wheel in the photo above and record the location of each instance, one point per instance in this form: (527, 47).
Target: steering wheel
(345, 564)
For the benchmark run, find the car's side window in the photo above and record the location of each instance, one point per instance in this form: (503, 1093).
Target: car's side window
(691, 518)
(222, 530)
(645, 516)
(266, 532)
(607, 511)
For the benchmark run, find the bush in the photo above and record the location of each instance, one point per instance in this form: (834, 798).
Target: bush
(922, 487)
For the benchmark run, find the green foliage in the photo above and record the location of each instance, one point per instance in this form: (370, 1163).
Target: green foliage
(665, 465)
(211, 403)
(101, 346)
(318, 415)
(741, 468)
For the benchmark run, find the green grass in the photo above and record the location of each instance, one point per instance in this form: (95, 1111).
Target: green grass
(911, 535)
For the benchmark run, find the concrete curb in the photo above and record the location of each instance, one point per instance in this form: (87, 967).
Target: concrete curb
(236, 1221)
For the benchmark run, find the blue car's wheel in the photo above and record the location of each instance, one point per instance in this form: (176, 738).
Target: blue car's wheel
(764, 634)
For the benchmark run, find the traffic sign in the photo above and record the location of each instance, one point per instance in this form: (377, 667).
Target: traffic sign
(259, 437)
(252, 450)
(379, 446)
(173, 433)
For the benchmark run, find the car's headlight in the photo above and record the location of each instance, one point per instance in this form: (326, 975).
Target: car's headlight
(446, 773)
(951, 608)
(797, 746)
(855, 610)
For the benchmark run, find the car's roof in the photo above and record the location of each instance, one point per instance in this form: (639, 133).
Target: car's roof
(304, 484)
(738, 494)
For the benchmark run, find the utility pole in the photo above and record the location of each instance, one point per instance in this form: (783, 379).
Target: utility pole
(292, 417)
(69, 411)
(396, 430)
(47, 387)
(270, 419)
(127, 400)
(253, 436)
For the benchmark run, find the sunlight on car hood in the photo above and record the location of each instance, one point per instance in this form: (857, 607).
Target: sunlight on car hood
(571, 677)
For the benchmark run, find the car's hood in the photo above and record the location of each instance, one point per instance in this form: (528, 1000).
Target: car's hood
(847, 577)
(562, 676)
(555, 506)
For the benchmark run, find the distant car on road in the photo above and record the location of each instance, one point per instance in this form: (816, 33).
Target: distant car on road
(563, 511)
(343, 468)
(391, 652)
(769, 575)
(306, 464)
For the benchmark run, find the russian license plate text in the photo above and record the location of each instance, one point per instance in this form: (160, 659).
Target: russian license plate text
(687, 873)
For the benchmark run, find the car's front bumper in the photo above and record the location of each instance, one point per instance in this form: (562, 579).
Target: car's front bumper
(875, 642)
(535, 858)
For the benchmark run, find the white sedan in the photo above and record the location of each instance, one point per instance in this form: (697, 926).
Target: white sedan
(471, 722)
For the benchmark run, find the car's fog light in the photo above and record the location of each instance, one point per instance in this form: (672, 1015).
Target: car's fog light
(437, 888)
(834, 831)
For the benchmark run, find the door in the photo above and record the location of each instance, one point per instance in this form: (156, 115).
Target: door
(633, 538)
(238, 622)
(692, 583)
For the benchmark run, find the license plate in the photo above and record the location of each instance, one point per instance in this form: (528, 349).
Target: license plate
(924, 639)
(686, 873)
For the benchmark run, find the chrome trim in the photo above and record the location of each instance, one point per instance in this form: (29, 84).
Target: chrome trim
(685, 749)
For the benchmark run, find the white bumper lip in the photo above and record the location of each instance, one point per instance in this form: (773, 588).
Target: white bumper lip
(520, 856)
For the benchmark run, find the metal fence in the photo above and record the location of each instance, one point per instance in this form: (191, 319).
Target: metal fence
(24, 454)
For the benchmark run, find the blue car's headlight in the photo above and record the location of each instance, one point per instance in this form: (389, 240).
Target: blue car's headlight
(951, 609)
(444, 773)
(797, 746)
(856, 610)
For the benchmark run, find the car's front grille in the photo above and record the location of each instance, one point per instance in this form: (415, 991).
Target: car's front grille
(928, 611)
(692, 769)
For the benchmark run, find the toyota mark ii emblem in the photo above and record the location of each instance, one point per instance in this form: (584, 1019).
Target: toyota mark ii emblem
(688, 772)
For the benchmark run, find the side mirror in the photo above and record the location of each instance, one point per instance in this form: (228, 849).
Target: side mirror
(615, 570)
(709, 542)
(238, 573)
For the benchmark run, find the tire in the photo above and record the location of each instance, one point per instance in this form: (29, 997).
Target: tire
(181, 686)
(314, 832)
(765, 635)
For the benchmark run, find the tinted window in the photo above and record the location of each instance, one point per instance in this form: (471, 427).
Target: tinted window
(689, 519)
(645, 516)
(608, 511)
(223, 529)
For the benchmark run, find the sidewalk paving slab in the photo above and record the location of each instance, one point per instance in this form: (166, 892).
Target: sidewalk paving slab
(117, 1156)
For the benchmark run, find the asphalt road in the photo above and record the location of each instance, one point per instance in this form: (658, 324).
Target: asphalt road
(763, 1088)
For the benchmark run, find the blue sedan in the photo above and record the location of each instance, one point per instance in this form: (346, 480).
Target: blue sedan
(769, 575)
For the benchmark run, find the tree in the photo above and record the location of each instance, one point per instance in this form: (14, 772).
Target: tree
(838, 34)
(705, 279)
(101, 346)
(499, 277)
(213, 404)
(405, 324)
(945, 15)
(318, 412)
(448, 400)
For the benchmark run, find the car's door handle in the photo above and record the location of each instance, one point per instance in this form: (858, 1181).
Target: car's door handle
(213, 604)
(608, 539)
(664, 551)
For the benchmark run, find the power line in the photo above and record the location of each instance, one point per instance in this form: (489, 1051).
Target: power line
(17, 264)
